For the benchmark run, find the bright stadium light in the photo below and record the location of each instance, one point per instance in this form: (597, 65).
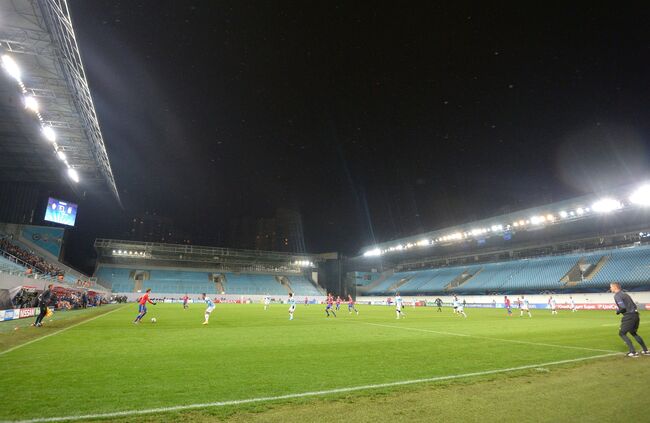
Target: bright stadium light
(61, 155)
(641, 196)
(372, 253)
(49, 133)
(580, 211)
(31, 103)
(606, 205)
(11, 67)
(564, 214)
(537, 220)
(72, 173)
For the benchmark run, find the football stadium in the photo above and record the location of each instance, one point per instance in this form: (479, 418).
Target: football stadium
(529, 313)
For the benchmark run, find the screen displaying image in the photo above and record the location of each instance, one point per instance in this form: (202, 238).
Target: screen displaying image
(59, 211)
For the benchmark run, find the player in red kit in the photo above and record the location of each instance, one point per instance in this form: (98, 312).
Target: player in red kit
(351, 305)
(186, 299)
(142, 308)
(330, 305)
(506, 304)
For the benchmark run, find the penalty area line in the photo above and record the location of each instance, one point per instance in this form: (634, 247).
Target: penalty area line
(57, 332)
(127, 413)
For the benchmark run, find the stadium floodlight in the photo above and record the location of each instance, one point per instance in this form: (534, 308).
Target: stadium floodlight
(641, 196)
(113, 251)
(31, 103)
(49, 133)
(563, 214)
(515, 224)
(550, 217)
(537, 220)
(61, 155)
(580, 211)
(496, 228)
(606, 205)
(11, 67)
(72, 173)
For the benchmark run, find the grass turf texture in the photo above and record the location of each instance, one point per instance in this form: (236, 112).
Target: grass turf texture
(109, 364)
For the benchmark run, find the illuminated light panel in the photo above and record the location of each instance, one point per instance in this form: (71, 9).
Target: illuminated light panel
(606, 205)
(641, 196)
(11, 67)
(31, 104)
(73, 174)
(49, 134)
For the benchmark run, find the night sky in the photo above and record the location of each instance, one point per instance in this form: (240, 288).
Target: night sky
(374, 120)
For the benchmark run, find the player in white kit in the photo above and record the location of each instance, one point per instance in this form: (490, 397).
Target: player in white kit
(572, 304)
(525, 306)
(553, 304)
(209, 309)
(459, 307)
(398, 306)
(292, 305)
(267, 302)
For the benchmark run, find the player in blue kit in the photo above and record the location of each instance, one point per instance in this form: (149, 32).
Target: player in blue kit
(292, 305)
(210, 308)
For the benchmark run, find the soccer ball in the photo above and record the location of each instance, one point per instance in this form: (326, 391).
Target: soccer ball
(153, 320)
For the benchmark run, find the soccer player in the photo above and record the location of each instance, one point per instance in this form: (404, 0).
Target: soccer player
(506, 304)
(455, 303)
(351, 305)
(292, 305)
(438, 302)
(142, 306)
(209, 309)
(330, 304)
(267, 302)
(553, 304)
(186, 300)
(525, 306)
(306, 301)
(338, 302)
(461, 308)
(572, 304)
(630, 321)
(398, 306)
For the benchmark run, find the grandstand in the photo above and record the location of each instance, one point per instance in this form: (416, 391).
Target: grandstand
(173, 270)
(576, 245)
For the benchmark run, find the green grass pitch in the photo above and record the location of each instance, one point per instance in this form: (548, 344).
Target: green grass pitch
(109, 364)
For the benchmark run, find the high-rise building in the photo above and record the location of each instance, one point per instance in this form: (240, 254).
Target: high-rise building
(151, 227)
(282, 232)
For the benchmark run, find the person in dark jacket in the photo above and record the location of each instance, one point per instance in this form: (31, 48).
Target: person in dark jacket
(43, 301)
(630, 321)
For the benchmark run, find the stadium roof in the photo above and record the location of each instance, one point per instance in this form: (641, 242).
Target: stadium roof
(38, 36)
(532, 219)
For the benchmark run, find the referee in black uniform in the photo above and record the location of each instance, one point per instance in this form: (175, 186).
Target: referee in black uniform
(630, 321)
(43, 301)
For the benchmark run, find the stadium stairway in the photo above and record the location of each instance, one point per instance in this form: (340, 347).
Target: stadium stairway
(459, 280)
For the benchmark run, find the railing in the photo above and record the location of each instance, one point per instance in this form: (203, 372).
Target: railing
(218, 252)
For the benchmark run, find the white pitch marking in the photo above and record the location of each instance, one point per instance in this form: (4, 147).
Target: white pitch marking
(57, 332)
(305, 394)
(541, 344)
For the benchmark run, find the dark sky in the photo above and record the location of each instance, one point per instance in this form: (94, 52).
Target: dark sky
(374, 120)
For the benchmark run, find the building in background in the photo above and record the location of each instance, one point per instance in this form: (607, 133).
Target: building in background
(282, 232)
(151, 227)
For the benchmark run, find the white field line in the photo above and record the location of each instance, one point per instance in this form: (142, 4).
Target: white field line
(514, 341)
(127, 413)
(57, 332)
